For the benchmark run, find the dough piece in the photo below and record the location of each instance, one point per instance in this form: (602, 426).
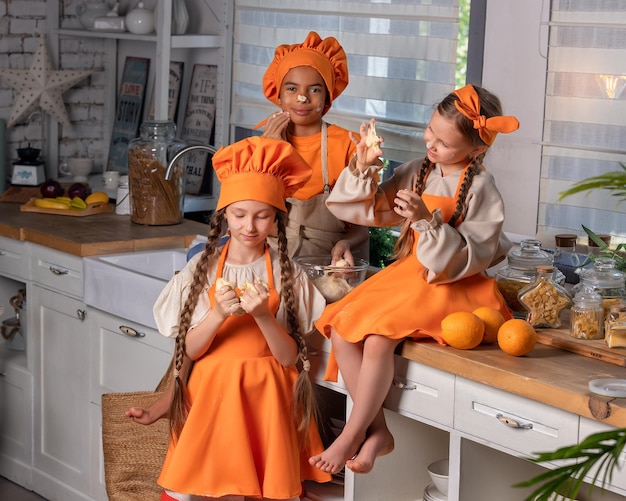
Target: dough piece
(220, 282)
(249, 286)
(342, 263)
(332, 287)
(372, 140)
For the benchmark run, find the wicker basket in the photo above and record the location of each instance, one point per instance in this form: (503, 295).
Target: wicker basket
(133, 453)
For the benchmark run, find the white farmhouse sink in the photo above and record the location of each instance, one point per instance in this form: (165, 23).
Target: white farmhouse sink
(127, 285)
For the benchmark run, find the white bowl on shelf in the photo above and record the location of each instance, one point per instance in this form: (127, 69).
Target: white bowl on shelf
(438, 472)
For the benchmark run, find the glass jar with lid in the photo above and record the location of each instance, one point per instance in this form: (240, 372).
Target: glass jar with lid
(615, 326)
(587, 319)
(607, 280)
(155, 200)
(521, 270)
(565, 257)
(544, 299)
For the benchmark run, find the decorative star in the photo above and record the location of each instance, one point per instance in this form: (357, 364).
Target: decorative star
(41, 87)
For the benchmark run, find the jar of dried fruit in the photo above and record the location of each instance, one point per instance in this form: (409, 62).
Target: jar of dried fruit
(607, 280)
(521, 270)
(544, 299)
(155, 200)
(587, 319)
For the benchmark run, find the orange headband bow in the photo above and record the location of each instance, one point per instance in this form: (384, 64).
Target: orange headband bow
(488, 128)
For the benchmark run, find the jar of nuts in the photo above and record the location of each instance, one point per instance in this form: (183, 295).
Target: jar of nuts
(544, 299)
(587, 319)
(607, 280)
(521, 270)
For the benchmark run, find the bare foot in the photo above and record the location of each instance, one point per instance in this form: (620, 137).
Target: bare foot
(333, 459)
(379, 443)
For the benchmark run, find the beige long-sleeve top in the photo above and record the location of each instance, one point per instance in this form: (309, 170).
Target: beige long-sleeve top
(448, 253)
(170, 302)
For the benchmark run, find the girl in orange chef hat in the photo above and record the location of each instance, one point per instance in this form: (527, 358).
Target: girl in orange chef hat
(303, 80)
(451, 215)
(240, 312)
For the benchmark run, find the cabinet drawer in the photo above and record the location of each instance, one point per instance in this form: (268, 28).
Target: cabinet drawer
(421, 392)
(57, 270)
(14, 260)
(511, 421)
(589, 427)
(122, 363)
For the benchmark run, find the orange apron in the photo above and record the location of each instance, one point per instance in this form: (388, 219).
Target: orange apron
(240, 436)
(399, 303)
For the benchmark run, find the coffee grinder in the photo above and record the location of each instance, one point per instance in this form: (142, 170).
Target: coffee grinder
(29, 169)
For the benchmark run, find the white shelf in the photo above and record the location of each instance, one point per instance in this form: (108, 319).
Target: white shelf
(177, 41)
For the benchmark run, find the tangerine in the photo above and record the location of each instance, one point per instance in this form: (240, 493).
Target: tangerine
(492, 319)
(517, 337)
(462, 330)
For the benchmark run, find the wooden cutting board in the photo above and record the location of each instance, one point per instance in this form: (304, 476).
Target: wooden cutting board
(592, 348)
(97, 208)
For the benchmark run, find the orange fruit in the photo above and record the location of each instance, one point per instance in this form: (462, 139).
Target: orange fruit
(97, 197)
(492, 319)
(517, 337)
(462, 330)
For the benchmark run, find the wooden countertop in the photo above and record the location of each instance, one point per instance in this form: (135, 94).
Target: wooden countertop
(549, 375)
(96, 234)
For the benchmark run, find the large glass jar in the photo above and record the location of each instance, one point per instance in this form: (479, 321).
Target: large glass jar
(155, 200)
(521, 270)
(544, 299)
(607, 280)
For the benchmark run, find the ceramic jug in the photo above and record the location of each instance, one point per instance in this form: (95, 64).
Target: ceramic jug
(87, 12)
(140, 20)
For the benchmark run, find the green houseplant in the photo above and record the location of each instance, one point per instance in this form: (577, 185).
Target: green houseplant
(599, 452)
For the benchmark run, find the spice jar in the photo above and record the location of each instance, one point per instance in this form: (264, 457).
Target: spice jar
(521, 270)
(565, 257)
(544, 299)
(615, 326)
(587, 319)
(607, 280)
(155, 200)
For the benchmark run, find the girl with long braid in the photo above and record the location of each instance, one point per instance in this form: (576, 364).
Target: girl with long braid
(451, 215)
(243, 425)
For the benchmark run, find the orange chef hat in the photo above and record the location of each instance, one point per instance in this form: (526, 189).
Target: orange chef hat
(488, 128)
(326, 56)
(259, 168)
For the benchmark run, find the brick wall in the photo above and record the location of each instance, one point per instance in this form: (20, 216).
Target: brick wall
(21, 22)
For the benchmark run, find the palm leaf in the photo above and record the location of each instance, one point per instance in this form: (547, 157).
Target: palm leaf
(599, 450)
(614, 181)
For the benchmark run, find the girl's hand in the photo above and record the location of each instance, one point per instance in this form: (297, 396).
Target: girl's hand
(365, 156)
(411, 206)
(341, 250)
(255, 300)
(276, 125)
(226, 301)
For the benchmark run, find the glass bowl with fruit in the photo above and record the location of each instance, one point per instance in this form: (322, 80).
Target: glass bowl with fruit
(333, 281)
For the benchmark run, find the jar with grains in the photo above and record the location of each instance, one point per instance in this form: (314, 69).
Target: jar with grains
(607, 280)
(587, 319)
(155, 200)
(615, 326)
(544, 299)
(521, 270)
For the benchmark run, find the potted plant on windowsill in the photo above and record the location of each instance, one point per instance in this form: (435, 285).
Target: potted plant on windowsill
(598, 454)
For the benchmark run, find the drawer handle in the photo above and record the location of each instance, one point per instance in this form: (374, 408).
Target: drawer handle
(513, 423)
(129, 331)
(58, 271)
(404, 386)
(80, 314)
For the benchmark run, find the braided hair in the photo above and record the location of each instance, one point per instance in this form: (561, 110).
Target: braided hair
(489, 106)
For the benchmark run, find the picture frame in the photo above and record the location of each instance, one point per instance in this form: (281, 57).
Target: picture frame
(197, 128)
(173, 92)
(129, 111)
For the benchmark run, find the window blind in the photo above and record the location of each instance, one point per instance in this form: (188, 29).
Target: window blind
(584, 127)
(401, 60)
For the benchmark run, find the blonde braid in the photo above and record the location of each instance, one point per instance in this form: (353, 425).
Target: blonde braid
(305, 406)
(406, 240)
(178, 409)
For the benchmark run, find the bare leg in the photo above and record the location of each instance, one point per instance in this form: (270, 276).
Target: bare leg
(368, 372)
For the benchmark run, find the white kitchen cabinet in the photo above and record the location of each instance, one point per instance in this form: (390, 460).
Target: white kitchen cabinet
(124, 357)
(60, 368)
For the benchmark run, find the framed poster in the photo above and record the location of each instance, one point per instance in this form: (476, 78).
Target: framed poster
(198, 124)
(173, 92)
(129, 111)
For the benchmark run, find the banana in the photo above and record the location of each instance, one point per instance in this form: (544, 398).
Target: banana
(65, 200)
(50, 203)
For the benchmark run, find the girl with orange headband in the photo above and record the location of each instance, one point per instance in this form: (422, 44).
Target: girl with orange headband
(303, 80)
(451, 215)
(242, 426)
